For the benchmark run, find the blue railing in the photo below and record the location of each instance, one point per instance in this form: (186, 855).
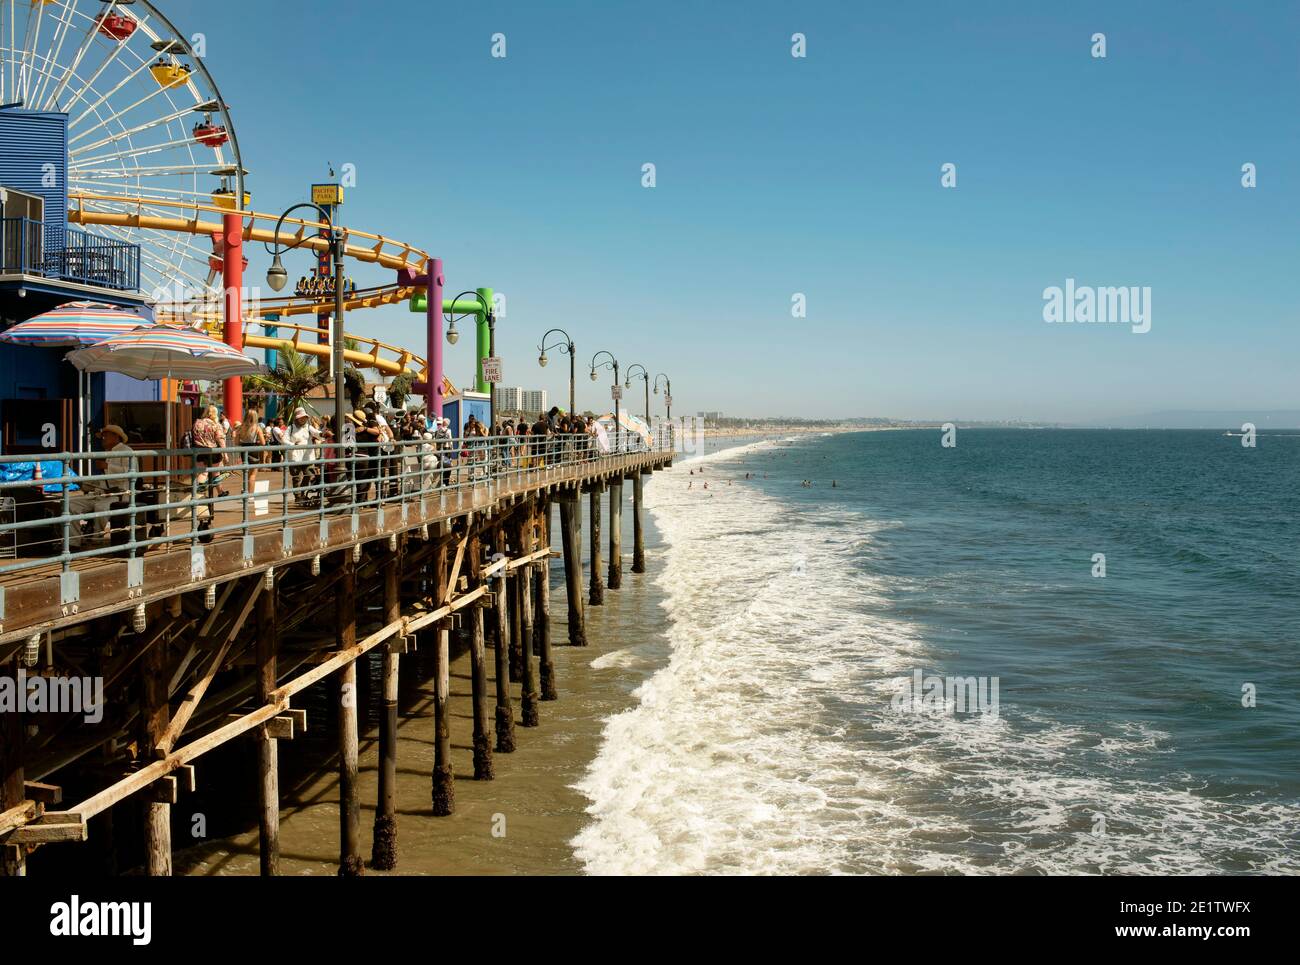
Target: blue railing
(69, 254)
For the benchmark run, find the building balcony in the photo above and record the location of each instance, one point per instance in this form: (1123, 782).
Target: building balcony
(29, 247)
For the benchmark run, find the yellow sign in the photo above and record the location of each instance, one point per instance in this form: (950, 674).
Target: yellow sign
(327, 193)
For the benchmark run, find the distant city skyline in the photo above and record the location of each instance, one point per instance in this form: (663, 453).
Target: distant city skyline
(805, 248)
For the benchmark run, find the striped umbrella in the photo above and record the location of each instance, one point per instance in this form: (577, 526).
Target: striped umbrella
(74, 325)
(163, 352)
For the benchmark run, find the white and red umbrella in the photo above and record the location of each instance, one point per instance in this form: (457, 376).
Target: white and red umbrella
(164, 352)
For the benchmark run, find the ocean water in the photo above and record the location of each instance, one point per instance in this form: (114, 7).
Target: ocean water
(774, 740)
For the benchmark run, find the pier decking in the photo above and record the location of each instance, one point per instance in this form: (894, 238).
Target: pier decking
(201, 635)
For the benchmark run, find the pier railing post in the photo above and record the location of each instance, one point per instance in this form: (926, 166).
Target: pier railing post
(570, 513)
(638, 540)
(350, 864)
(616, 533)
(383, 853)
(444, 780)
(268, 752)
(596, 578)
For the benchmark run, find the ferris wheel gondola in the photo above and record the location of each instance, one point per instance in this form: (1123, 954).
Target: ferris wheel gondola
(147, 126)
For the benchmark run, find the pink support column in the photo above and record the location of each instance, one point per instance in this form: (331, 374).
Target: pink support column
(433, 335)
(233, 280)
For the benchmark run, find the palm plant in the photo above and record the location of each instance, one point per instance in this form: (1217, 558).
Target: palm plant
(294, 377)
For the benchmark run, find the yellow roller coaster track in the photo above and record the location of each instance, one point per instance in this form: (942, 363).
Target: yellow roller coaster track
(386, 252)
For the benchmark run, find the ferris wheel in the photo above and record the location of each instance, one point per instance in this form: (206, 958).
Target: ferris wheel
(148, 129)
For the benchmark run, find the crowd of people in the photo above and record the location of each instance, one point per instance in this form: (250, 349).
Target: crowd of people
(409, 452)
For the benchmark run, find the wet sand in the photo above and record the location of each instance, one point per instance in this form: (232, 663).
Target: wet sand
(532, 796)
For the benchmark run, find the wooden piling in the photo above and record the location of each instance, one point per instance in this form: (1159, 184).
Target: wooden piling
(383, 852)
(597, 587)
(570, 514)
(505, 716)
(524, 603)
(616, 534)
(13, 860)
(638, 540)
(515, 643)
(268, 752)
(483, 768)
(155, 716)
(542, 616)
(444, 779)
(345, 613)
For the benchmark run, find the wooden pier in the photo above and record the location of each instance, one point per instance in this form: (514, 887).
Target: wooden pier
(198, 645)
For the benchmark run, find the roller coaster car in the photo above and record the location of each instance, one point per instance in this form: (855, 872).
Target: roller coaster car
(117, 27)
(226, 199)
(170, 74)
(213, 135)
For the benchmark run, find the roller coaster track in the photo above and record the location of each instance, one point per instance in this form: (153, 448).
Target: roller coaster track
(188, 217)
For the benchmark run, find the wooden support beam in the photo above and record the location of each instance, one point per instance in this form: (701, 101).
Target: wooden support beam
(383, 854)
(542, 614)
(268, 752)
(164, 791)
(20, 814)
(190, 702)
(505, 715)
(528, 682)
(444, 781)
(594, 579)
(154, 726)
(45, 793)
(483, 766)
(455, 568)
(51, 828)
(570, 517)
(615, 581)
(638, 539)
(345, 622)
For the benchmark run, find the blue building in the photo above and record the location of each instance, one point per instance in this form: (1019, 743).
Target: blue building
(44, 263)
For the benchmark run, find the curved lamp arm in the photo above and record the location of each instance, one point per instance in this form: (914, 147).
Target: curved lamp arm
(630, 375)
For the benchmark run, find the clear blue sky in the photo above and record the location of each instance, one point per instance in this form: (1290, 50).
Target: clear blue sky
(821, 175)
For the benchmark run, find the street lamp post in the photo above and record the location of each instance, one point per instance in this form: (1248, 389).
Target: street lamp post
(668, 396)
(644, 377)
(276, 277)
(611, 364)
(483, 297)
(568, 349)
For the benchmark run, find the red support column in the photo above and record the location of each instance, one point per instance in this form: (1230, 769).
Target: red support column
(233, 279)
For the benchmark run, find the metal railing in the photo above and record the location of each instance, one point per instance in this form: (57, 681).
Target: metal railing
(72, 508)
(32, 248)
(75, 255)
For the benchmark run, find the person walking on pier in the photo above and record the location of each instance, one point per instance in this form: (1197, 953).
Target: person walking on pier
(442, 443)
(300, 457)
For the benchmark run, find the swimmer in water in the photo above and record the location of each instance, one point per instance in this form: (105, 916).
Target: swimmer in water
(833, 484)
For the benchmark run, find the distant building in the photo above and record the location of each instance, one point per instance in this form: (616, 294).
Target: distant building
(533, 400)
(709, 416)
(508, 398)
(511, 400)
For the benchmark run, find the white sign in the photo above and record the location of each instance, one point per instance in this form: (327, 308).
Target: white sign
(616, 392)
(492, 369)
(668, 401)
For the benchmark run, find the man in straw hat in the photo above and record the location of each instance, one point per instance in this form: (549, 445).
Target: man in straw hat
(99, 493)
